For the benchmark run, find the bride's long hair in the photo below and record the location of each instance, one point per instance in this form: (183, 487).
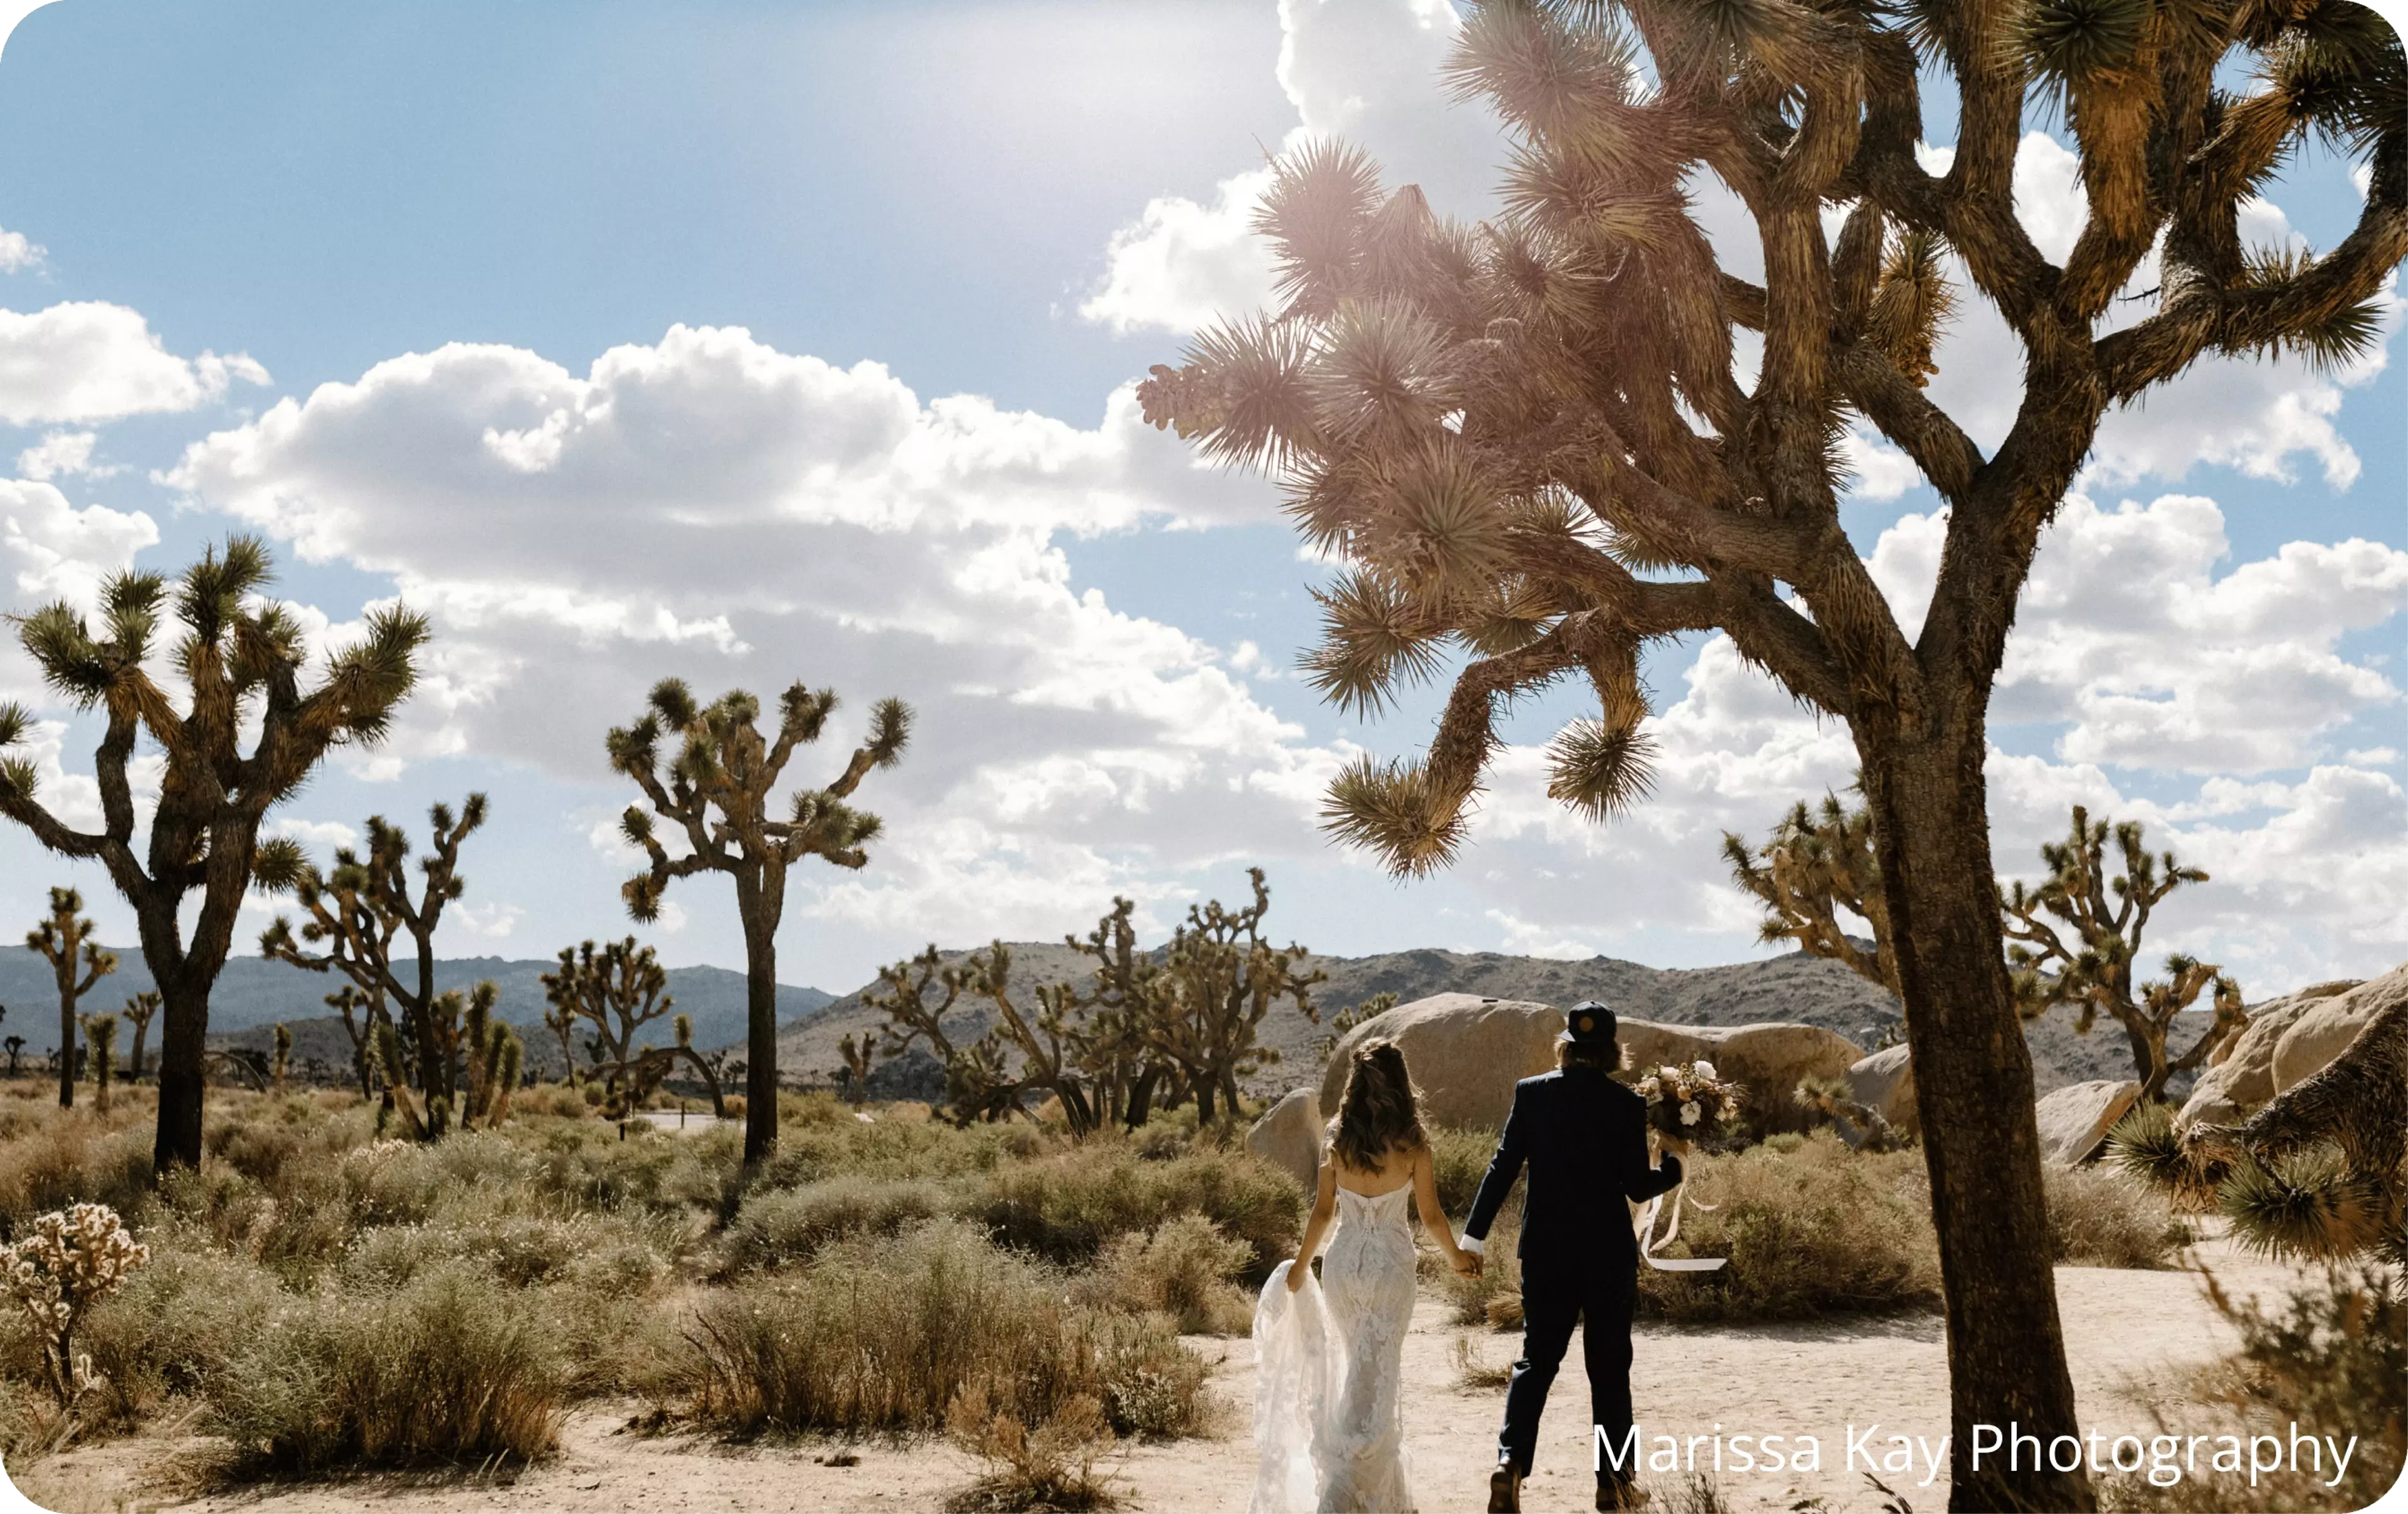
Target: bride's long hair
(1380, 1111)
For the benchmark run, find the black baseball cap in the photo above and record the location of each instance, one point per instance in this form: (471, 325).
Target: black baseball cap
(1587, 1023)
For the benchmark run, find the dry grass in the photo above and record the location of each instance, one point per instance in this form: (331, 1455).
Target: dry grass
(1052, 1466)
(2098, 1217)
(446, 1368)
(878, 1334)
(789, 1226)
(1182, 1268)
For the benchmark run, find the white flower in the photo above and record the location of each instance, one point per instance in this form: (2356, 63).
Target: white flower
(1690, 1113)
(1668, 1073)
(1703, 1069)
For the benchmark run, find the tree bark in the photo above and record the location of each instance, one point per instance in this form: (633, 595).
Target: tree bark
(183, 1038)
(1140, 1097)
(66, 1037)
(760, 1022)
(1974, 1091)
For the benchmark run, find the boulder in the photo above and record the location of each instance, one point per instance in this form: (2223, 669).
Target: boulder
(2074, 1120)
(1465, 1052)
(2244, 1079)
(1885, 1083)
(2326, 1028)
(1288, 1135)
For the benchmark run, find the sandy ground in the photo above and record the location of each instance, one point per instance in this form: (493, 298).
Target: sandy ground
(2126, 1331)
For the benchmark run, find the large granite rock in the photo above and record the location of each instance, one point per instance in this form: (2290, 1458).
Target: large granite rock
(2233, 1088)
(2074, 1120)
(2325, 1028)
(1884, 1083)
(1465, 1052)
(1288, 1135)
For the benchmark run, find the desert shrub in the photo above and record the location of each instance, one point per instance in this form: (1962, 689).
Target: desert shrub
(596, 1253)
(801, 1111)
(550, 1101)
(174, 1329)
(2331, 1358)
(1180, 1268)
(1821, 1229)
(1066, 1208)
(1460, 1159)
(2098, 1218)
(59, 1157)
(792, 1224)
(899, 1148)
(446, 1368)
(880, 1334)
(1052, 1466)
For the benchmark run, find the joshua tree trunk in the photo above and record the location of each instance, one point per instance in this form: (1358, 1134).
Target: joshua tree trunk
(1973, 1093)
(759, 902)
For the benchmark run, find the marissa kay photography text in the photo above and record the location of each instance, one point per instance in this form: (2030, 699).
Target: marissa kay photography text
(2163, 1458)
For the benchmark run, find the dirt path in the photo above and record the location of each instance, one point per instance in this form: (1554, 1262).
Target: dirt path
(2125, 1330)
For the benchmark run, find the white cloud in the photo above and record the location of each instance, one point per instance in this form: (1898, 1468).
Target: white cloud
(1365, 71)
(710, 507)
(18, 252)
(321, 839)
(88, 361)
(49, 550)
(493, 920)
(61, 451)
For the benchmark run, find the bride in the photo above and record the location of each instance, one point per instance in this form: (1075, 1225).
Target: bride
(1328, 1413)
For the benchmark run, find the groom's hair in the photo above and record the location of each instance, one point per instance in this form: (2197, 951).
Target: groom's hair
(1604, 1055)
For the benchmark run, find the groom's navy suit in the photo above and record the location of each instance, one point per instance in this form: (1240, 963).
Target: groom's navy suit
(1584, 1139)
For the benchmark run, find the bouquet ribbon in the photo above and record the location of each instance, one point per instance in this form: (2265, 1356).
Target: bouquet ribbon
(1648, 1240)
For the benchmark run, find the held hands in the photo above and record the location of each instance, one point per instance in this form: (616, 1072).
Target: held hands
(1465, 1263)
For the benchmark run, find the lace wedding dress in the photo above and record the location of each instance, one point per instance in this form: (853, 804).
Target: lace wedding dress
(1329, 1389)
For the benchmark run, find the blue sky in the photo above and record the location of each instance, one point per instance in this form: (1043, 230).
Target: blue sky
(1027, 204)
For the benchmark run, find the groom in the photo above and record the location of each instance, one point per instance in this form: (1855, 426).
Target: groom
(1585, 1137)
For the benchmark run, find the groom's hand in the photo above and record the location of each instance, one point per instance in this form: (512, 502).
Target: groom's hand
(1467, 1263)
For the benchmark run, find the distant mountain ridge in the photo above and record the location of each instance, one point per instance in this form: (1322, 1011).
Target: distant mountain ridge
(254, 993)
(1809, 990)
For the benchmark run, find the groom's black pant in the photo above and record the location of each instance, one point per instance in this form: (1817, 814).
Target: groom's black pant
(1596, 1292)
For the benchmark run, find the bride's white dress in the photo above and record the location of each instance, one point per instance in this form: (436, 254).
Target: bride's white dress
(1329, 1389)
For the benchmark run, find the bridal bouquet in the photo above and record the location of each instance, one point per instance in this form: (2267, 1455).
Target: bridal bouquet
(1689, 1102)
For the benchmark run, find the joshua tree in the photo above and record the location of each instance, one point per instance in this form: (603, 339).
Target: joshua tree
(240, 658)
(1048, 1043)
(66, 939)
(358, 910)
(15, 1046)
(100, 1039)
(1531, 441)
(716, 793)
(1117, 1015)
(1225, 978)
(2093, 969)
(856, 1056)
(493, 1056)
(283, 1063)
(362, 1013)
(1810, 867)
(617, 990)
(706, 1066)
(138, 1008)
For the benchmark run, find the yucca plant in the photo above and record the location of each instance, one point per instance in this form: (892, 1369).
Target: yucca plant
(1533, 445)
(239, 664)
(65, 939)
(139, 1010)
(715, 792)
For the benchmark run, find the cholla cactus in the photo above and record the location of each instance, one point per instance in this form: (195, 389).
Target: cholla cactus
(75, 1257)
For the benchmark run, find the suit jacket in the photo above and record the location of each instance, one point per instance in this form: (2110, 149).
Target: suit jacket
(1584, 1137)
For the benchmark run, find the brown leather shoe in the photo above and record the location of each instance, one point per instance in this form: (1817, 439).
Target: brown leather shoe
(1620, 1495)
(1505, 1491)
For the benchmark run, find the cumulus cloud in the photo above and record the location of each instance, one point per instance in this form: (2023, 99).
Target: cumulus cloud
(710, 507)
(86, 360)
(18, 252)
(1365, 71)
(49, 549)
(61, 452)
